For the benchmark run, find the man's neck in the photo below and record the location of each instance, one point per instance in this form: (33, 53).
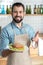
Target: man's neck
(19, 25)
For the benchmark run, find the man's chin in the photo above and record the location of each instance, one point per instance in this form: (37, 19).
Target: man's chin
(17, 21)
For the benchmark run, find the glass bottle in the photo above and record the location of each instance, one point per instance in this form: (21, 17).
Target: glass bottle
(29, 10)
(7, 10)
(3, 10)
(35, 9)
(26, 9)
(0, 9)
(41, 8)
(10, 9)
(38, 10)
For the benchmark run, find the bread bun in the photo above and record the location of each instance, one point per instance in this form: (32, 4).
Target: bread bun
(18, 46)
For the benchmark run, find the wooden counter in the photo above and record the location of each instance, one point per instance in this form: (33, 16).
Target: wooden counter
(36, 60)
(3, 61)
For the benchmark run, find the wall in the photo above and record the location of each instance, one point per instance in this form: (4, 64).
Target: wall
(35, 21)
(29, 1)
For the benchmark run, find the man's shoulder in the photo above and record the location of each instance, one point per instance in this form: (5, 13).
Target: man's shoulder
(7, 27)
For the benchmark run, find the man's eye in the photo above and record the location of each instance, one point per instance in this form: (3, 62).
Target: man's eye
(21, 12)
(17, 12)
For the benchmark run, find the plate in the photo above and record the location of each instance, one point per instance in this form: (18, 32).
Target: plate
(15, 49)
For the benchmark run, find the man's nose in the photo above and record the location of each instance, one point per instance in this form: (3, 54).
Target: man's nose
(18, 13)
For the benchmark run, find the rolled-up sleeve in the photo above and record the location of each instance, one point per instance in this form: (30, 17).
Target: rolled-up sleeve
(4, 40)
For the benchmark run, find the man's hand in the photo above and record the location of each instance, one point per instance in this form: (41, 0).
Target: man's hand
(6, 52)
(36, 38)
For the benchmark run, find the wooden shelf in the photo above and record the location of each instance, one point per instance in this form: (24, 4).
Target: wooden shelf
(4, 14)
(34, 14)
(27, 14)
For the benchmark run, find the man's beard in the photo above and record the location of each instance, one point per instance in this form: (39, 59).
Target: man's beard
(17, 21)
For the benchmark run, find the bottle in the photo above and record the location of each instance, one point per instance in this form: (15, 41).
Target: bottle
(10, 9)
(3, 10)
(0, 9)
(7, 10)
(35, 9)
(41, 8)
(26, 9)
(29, 10)
(38, 10)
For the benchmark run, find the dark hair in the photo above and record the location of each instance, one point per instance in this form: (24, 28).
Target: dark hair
(18, 4)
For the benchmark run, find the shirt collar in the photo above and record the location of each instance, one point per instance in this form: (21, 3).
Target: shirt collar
(14, 24)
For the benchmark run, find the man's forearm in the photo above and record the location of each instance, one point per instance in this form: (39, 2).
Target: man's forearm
(6, 52)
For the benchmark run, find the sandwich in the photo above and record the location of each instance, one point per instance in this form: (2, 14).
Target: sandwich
(17, 48)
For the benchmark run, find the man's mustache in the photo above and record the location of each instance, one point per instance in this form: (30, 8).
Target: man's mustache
(17, 16)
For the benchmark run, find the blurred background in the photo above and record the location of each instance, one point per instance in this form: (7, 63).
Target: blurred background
(33, 17)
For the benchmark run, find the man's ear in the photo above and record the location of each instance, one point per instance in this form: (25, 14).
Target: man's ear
(24, 13)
